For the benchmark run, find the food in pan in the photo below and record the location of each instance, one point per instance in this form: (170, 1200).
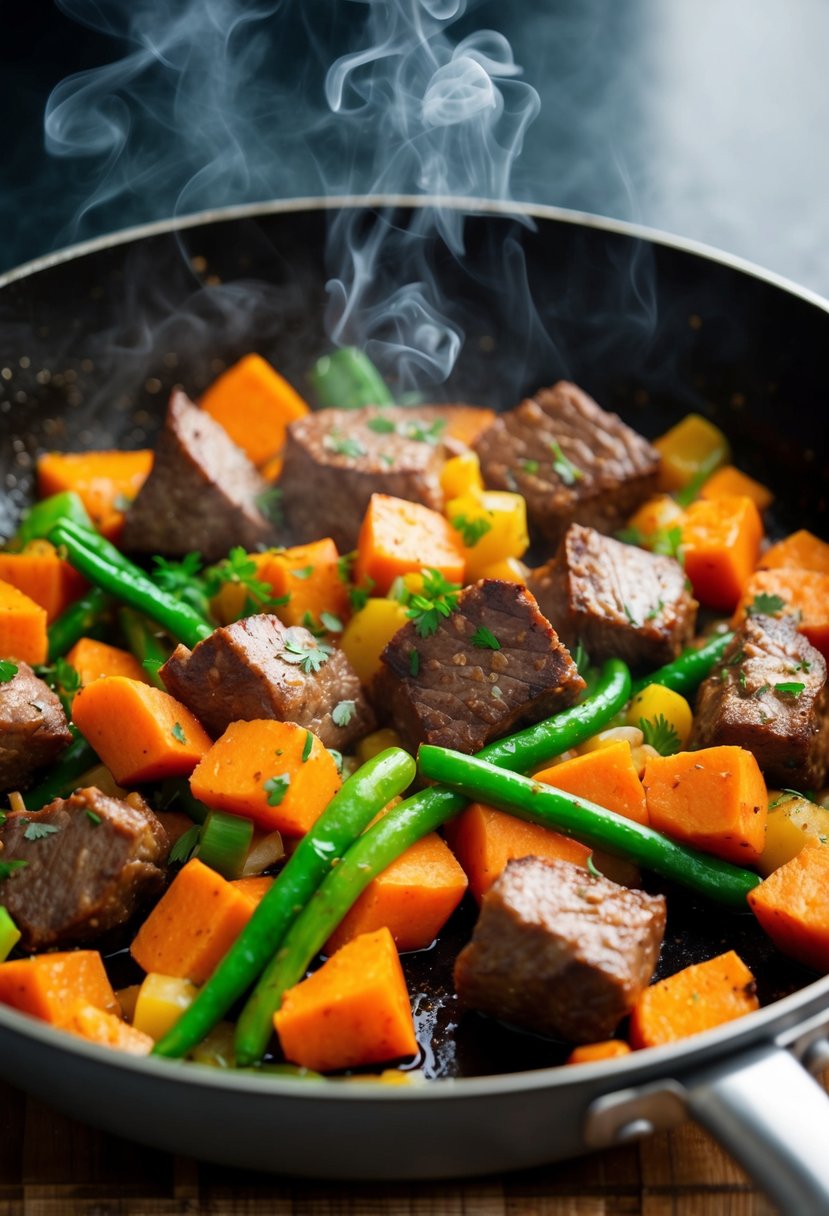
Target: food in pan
(282, 695)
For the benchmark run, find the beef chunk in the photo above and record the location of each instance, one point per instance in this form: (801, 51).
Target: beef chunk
(258, 668)
(570, 459)
(336, 459)
(201, 493)
(769, 695)
(33, 730)
(615, 599)
(100, 860)
(494, 663)
(560, 951)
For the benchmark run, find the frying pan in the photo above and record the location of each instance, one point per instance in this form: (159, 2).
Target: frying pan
(92, 339)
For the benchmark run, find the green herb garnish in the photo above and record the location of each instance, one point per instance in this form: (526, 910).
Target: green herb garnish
(485, 639)
(8, 670)
(178, 733)
(276, 788)
(307, 745)
(471, 530)
(789, 689)
(660, 735)
(187, 845)
(332, 623)
(307, 658)
(764, 604)
(343, 712)
(438, 598)
(344, 445)
(563, 467)
(38, 831)
(414, 662)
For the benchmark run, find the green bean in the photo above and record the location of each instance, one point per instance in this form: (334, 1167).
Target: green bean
(684, 674)
(357, 802)
(392, 835)
(591, 824)
(347, 380)
(82, 619)
(63, 776)
(105, 566)
(150, 651)
(39, 520)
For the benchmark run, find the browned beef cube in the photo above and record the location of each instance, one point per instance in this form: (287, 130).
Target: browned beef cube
(560, 951)
(615, 599)
(570, 459)
(201, 493)
(769, 695)
(90, 861)
(494, 663)
(336, 459)
(258, 668)
(33, 730)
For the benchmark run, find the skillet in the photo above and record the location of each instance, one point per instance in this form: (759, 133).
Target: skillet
(91, 341)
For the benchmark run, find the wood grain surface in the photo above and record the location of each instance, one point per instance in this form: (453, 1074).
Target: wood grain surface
(53, 1166)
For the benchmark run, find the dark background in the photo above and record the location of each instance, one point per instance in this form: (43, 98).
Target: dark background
(706, 118)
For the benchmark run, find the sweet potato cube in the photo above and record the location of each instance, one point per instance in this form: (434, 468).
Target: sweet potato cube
(106, 1029)
(606, 776)
(714, 799)
(309, 576)
(39, 573)
(800, 591)
(484, 840)
(792, 907)
(48, 985)
(694, 999)
(353, 1011)
(254, 404)
(22, 627)
(730, 481)
(193, 925)
(802, 549)
(140, 733)
(399, 537)
(721, 543)
(413, 897)
(104, 481)
(591, 1053)
(93, 659)
(275, 773)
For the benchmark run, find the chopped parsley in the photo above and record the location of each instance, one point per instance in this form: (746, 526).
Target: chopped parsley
(660, 735)
(358, 596)
(343, 712)
(471, 530)
(530, 466)
(308, 658)
(7, 868)
(8, 671)
(423, 434)
(276, 788)
(345, 564)
(381, 426)
(485, 639)
(337, 757)
(63, 679)
(93, 817)
(655, 611)
(667, 542)
(789, 689)
(332, 623)
(239, 569)
(631, 618)
(344, 445)
(761, 691)
(178, 733)
(414, 662)
(187, 845)
(767, 605)
(311, 625)
(307, 745)
(562, 467)
(387, 459)
(38, 831)
(438, 598)
(183, 579)
(303, 572)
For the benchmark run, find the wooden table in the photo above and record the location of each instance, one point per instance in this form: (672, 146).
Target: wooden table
(53, 1166)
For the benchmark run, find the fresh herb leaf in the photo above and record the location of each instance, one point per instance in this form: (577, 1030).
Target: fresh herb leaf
(655, 611)
(660, 734)
(689, 492)
(381, 426)
(789, 689)
(7, 868)
(308, 658)
(239, 569)
(422, 434)
(311, 625)
(471, 530)
(343, 712)
(187, 845)
(178, 733)
(345, 564)
(276, 788)
(530, 466)
(761, 691)
(344, 445)
(387, 459)
(93, 817)
(668, 542)
(183, 579)
(765, 605)
(337, 757)
(332, 623)
(38, 831)
(8, 671)
(564, 468)
(307, 745)
(631, 618)
(303, 572)
(631, 536)
(358, 596)
(414, 662)
(437, 599)
(485, 639)
(269, 503)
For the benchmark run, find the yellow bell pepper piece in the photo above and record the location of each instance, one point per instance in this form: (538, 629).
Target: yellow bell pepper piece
(691, 448)
(510, 569)
(369, 631)
(492, 525)
(461, 475)
(161, 1001)
(377, 742)
(656, 515)
(793, 822)
(656, 700)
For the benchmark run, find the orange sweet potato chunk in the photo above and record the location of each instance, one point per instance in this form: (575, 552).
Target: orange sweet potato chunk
(714, 799)
(792, 907)
(49, 985)
(39, 573)
(140, 733)
(802, 591)
(721, 544)
(309, 576)
(413, 897)
(606, 776)
(353, 1011)
(729, 481)
(193, 925)
(695, 999)
(399, 537)
(254, 404)
(590, 1053)
(104, 481)
(22, 627)
(107, 1030)
(92, 659)
(802, 549)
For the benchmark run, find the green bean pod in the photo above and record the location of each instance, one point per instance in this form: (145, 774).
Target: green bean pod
(347, 380)
(687, 672)
(39, 519)
(143, 643)
(593, 825)
(62, 777)
(82, 619)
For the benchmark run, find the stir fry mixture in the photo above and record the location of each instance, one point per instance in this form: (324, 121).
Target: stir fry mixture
(278, 695)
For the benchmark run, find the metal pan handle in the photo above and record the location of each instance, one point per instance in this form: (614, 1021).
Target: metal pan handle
(773, 1117)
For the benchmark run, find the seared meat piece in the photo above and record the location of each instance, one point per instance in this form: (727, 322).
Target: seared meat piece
(570, 459)
(770, 696)
(90, 861)
(615, 599)
(258, 668)
(33, 730)
(494, 663)
(201, 493)
(336, 459)
(560, 951)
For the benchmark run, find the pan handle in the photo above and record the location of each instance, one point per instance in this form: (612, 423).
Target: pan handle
(773, 1117)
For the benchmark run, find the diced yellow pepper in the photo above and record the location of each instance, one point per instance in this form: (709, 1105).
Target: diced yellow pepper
(655, 700)
(369, 631)
(511, 569)
(492, 525)
(376, 742)
(461, 475)
(161, 1001)
(793, 822)
(656, 515)
(688, 449)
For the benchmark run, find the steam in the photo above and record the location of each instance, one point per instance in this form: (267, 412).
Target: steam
(225, 101)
